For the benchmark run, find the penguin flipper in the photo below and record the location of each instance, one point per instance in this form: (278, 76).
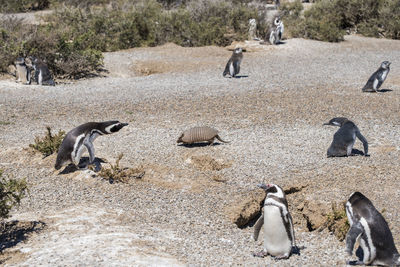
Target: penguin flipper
(352, 235)
(257, 227)
(364, 141)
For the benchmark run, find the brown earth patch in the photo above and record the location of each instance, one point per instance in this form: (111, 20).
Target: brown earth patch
(205, 162)
(245, 207)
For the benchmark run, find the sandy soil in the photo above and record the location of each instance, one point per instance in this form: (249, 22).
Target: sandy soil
(179, 213)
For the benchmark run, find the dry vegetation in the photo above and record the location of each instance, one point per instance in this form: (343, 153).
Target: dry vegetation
(116, 173)
(11, 193)
(48, 144)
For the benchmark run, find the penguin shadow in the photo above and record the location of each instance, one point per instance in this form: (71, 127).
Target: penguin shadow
(385, 90)
(71, 168)
(199, 144)
(237, 77)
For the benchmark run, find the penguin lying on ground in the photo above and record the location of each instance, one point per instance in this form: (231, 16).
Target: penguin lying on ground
(278, 226)
(344, 138)
(369, 228)
(72, 146)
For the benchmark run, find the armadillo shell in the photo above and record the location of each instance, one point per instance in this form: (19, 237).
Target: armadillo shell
(198, 134)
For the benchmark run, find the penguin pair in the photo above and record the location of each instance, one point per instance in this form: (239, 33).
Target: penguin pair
(367, 226)
(77, 139)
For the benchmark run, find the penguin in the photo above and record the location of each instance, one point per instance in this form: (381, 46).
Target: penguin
(377, 78)
(23, 72)
(369, 228)
(275, 31)
(344, 138)
(72, 146)
(42, 73)
(279, 238)
(233, 66)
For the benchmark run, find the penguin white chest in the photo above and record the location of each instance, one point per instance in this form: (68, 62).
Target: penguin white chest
(40, 78)
(276, 239)
(383, 75)
(231, 69)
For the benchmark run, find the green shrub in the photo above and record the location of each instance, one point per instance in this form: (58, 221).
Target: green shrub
(11, 193)
(327, 20)
(49, 144)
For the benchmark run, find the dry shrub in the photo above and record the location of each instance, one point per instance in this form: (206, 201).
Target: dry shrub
(118, 174)
(48, 144)
(11, 193)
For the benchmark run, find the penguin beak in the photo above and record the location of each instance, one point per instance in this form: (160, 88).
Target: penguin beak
(124, 124)
(326, 123)
(263, 186)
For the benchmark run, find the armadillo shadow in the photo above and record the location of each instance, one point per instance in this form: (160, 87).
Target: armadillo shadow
(83, 162)
(200, 144)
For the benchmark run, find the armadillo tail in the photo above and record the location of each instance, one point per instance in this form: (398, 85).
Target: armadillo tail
(219, 138)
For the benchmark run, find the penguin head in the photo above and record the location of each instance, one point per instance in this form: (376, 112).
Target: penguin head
(277, 21)
(113, 126)
(20, 61)
(336, 121)
(238, 50)
(272, 189)
(385, 64)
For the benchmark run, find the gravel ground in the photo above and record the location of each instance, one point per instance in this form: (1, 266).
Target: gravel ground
(176, 214)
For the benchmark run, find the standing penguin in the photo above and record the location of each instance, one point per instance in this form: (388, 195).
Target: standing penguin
(72, 146)
(369, 227)
(377, 78)
(278, 226)
(344, 138)
(275, 31)
(42, 73)
(22, 71)
(233, 66)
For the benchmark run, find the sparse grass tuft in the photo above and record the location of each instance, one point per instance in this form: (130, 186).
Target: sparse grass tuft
(336, 221)
(11, 193)
(49, 144)
(118, 174)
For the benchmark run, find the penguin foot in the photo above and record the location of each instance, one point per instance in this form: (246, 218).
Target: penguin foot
(281, 257)
(355, 263)
(260, 254)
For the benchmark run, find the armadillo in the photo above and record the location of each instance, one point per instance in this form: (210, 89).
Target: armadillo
(199, 134)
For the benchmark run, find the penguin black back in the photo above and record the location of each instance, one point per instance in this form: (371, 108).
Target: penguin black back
(369, 224)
